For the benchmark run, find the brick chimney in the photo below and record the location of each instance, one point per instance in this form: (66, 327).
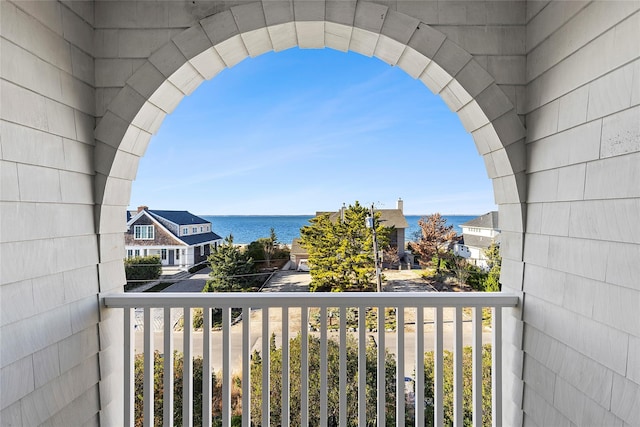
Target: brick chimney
(400, 205)
(143, 208)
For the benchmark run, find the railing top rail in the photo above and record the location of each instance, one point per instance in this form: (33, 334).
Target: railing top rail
(311, 299)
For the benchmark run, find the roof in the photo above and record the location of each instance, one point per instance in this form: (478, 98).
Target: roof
(296, 247)
(476, 241)
(388, 217)
(488, 220)
(198, 239)
(179, 217)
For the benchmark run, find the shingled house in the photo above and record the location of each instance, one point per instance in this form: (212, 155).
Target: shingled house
(392, 218)
(179, 238)
(477, 235)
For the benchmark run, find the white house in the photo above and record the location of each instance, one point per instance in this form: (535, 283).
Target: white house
(178, 237)
(477, 235)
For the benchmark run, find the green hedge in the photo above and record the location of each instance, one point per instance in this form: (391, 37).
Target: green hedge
(143, 268)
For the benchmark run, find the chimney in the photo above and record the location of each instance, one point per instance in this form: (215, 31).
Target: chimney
(143, 208)
(400, 205)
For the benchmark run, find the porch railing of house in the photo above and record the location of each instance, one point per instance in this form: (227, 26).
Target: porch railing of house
(414, 303)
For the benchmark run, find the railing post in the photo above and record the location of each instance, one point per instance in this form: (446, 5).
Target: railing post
(129, 374)
(323, 367)
(477, 367)
(458, 352)
(381, 383)
(438, 372)
(246, 367)
(304, 366)
(343, 366)
(266, 369)
(419, 383)
(187, 370)
(400, 386)
(362, 367)
(496, 360)
(167, 400)
(206, 366)
(226, 366)
(286, 386)
(149, 394)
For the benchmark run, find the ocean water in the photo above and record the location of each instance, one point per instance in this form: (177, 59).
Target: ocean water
(249, 228)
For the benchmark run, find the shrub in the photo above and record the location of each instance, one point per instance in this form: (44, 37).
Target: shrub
(143, 268)
(178, 365)
(476, 278)
(467, 386)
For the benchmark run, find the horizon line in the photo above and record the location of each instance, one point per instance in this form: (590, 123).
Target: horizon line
(266, 215)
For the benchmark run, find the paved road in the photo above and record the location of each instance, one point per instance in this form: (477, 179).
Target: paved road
(291, 281)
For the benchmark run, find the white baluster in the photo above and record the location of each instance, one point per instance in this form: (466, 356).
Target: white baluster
(149, 394)
(167, 398)
(477, 367)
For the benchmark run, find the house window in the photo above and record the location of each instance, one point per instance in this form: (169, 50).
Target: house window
(207, 228)
(177, 253)
(143, 232)
(201, 229)
(194, 229)
(129, 253)
(201, 250)
(163, 254)
(185, 231)
(136, 252)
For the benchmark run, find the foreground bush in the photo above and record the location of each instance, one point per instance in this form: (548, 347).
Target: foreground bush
(333, 393)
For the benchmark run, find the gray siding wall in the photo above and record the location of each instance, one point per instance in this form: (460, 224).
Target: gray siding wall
(571, 69)
(582, 242)
(50, 355)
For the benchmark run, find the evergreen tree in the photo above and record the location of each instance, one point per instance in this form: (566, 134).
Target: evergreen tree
(494, 260)
(229, 268)
(341, 251)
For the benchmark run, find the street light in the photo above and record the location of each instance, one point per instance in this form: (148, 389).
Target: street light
(370, 223)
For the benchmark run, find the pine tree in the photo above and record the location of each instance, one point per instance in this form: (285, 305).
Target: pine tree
(229, 268)
(341, 251)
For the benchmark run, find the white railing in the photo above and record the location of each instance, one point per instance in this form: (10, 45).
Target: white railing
(409, 349)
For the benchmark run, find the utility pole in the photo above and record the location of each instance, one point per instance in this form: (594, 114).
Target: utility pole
(371, 224)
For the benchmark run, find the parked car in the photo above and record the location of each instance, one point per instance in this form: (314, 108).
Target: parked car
(303, 265)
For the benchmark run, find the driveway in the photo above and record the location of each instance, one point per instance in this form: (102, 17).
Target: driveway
(193, 284)
(288, 281)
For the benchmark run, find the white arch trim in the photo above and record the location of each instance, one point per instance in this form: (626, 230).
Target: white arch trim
(224, 39)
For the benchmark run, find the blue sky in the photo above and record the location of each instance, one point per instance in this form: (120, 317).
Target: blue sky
(301, 131)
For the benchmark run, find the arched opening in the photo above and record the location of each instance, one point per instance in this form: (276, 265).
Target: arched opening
(301, 131)
(224, 39)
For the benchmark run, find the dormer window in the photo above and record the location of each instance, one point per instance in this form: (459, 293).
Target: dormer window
(195, 230)
(143, 232)
(185, 231)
